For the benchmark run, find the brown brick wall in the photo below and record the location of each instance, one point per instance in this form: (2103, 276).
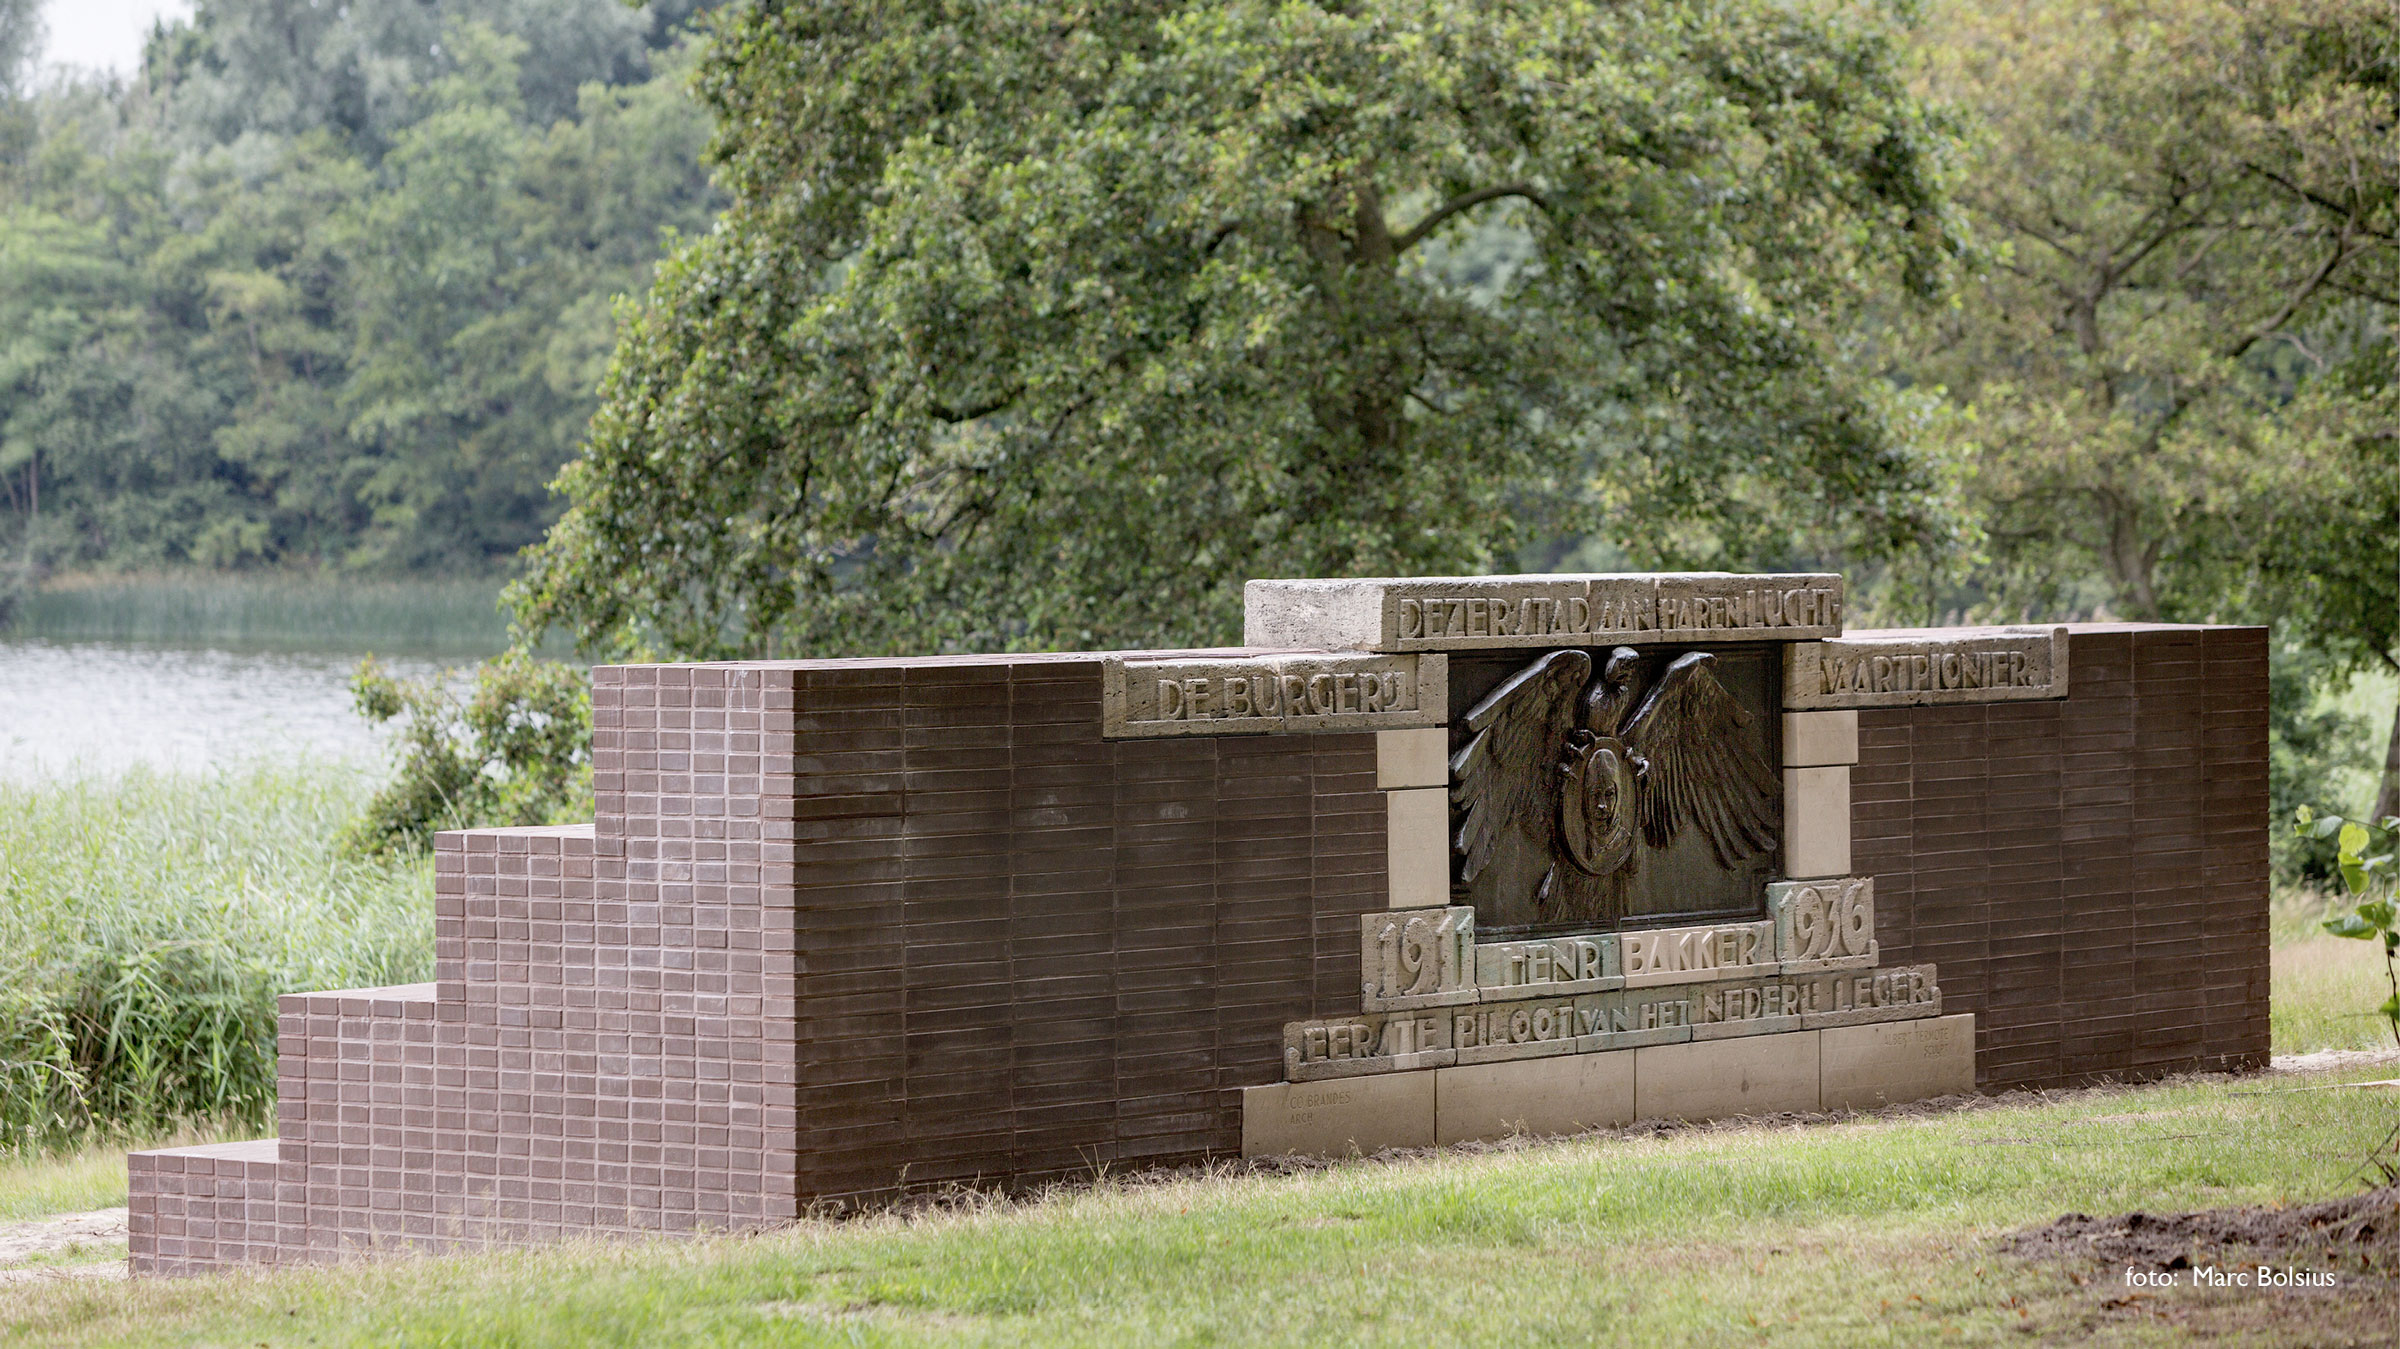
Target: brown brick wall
(2089, 875)
(1028, 952)
(844, 926)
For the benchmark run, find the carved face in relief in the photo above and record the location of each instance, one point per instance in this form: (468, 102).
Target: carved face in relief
(1595, 808)
(1566, 782)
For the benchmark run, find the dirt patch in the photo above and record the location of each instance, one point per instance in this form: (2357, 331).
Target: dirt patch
(64, 1246)
(2360, 1234)
(2332, 1060)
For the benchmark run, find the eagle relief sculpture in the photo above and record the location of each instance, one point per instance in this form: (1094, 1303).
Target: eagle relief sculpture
(1580, 773)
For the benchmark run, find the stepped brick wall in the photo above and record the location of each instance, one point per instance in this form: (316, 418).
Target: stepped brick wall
(846, 926)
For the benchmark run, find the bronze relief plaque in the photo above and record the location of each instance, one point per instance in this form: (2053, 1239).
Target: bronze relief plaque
(1592, 788)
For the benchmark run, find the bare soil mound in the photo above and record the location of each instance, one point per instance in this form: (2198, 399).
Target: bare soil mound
(2360, 1234)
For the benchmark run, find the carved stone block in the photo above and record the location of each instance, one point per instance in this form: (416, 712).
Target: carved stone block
(1551, 965)
(1816, 739)
(1988, 666)
(1419, 758)
(1554, 1096)
(1685, 955)
(1358, 1045)
(1417, 847)
(1519, 1030)
(1868, 1066)
(1823, 925)
(1759, 1075)
(1707, 606)
(1899, 994)
(1633, 1017)
(1258, 695)
(1467, 613)
(1412, 958)
(1337, 1119)
(1816, 821)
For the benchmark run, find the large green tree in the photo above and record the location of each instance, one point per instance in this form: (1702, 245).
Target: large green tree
(1040, 323)
(2178, 372)
(2159, 276)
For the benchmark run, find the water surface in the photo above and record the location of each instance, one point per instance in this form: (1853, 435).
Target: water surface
(102, 707)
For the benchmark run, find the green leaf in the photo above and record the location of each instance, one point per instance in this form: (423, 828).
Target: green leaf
(2354, 876)
(2350, 925)
(2304, 815)
(2379, 913)
(2391, 1007)
(2354, 840)
(2326, 826)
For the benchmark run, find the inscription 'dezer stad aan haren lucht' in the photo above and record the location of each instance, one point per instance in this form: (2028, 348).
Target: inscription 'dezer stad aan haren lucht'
(1467, 613)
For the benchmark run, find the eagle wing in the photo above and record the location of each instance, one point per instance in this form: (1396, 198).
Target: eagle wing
(1508, 771)
(1702, 770)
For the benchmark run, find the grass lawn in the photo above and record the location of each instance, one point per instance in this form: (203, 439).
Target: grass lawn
(1860, 1232)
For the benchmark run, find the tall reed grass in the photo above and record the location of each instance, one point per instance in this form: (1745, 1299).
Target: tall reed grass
(148, 923)
(311, 612)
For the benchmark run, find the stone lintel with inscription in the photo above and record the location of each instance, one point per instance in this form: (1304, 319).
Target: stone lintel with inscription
(1586, 1023)
(1256, 695)
(1503, 612)
(1911, 670)
(1412, 959)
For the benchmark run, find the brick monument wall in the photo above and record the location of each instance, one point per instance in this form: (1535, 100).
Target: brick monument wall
(847, 925)
(2090, 875)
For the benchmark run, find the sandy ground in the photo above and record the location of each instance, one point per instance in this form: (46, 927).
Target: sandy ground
(56, 1236)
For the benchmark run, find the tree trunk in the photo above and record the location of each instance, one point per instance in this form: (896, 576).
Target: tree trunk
(2387, 796)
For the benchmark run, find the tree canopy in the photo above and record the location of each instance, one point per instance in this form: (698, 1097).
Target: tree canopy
(2177, 378)
(1041, 324)
(328, 284)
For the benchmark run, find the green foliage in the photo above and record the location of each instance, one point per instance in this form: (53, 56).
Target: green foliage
(331, 285)
(1034, 326)
(2187, 207)
(147, 925)
(2314, 744)
(2373, 882)
(516, 750)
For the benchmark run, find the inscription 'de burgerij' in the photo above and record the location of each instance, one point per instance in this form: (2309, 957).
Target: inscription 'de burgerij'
(1271, 693)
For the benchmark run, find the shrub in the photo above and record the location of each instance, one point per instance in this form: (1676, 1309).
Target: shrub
(515, 750)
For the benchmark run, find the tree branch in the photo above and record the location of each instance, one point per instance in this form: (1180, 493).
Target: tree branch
(974, 412)
(1416, 233)
(2348, 213)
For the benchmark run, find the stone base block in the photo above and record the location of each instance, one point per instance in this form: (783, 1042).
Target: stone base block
(1895, 1061)
(1337, 1119)
(1840, 1068)
(1539, 1096)
(1707, 1079)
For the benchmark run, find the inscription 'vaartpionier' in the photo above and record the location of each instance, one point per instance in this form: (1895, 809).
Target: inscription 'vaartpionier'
(1972, 667)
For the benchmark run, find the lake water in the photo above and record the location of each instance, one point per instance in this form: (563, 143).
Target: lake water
(102, 707)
